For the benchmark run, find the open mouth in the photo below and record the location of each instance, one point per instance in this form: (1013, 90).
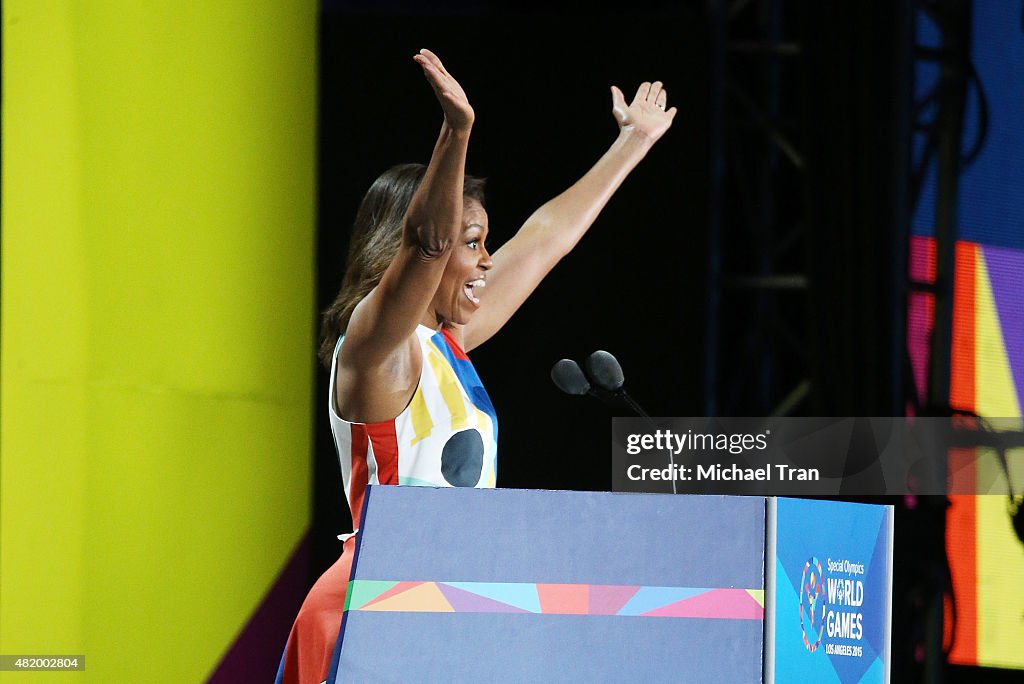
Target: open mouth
(472, 285)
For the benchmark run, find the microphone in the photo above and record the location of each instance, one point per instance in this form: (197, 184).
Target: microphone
(605, 371)
(568, 377)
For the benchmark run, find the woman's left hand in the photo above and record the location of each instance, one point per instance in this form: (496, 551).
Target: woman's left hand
(646, 114)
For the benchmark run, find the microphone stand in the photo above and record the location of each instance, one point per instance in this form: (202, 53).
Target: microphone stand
(624, 395)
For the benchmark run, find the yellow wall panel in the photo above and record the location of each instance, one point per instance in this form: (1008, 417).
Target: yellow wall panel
(44, 329)
(157, 325)
(1000, 564)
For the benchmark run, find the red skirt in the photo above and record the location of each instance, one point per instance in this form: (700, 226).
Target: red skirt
(307, 656)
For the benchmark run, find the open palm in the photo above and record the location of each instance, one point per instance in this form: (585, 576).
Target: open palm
(457, 110)
(646, 114)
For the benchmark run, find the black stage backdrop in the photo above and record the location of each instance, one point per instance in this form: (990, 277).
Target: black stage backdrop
(635, 285)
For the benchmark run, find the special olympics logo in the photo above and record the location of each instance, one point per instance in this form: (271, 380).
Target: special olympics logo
(812, 604)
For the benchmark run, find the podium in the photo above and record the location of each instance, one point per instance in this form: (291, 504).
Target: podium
(500, 585)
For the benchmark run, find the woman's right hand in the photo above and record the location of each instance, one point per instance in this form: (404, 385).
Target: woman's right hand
(458, 113)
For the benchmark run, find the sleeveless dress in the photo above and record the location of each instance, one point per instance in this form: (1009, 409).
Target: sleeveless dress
(446, 437)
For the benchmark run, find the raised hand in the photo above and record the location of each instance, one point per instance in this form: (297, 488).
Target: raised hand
(458, 113)
(646, 114)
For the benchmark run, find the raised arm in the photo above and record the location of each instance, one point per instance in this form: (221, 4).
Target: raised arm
(554, 229)
(384, 321)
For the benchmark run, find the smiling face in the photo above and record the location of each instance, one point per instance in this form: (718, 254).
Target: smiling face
(458, 294)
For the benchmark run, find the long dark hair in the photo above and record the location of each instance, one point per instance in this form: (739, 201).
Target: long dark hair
(376, 236)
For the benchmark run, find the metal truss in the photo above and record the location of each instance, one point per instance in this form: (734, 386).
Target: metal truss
(938, 131)
(757, 318)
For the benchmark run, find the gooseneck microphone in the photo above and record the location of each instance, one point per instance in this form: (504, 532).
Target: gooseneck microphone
(605, 371)
(568, 377)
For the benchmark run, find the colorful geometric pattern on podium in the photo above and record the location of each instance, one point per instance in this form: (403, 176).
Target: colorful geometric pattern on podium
(555, 599)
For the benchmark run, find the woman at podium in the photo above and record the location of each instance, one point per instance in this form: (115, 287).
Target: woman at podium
(420, 291)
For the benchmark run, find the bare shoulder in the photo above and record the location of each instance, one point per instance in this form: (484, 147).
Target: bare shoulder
(371, 393)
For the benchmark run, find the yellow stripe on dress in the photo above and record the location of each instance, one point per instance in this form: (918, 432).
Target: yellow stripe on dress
(448, 385)
(422, 424)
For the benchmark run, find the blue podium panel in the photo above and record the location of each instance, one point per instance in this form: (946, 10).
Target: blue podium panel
(830, 586)
(518, 649)
(475, 585)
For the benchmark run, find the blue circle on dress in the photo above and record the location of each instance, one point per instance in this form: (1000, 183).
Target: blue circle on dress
(462, 459)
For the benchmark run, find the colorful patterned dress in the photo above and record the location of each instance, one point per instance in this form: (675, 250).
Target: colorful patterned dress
(446, 437)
